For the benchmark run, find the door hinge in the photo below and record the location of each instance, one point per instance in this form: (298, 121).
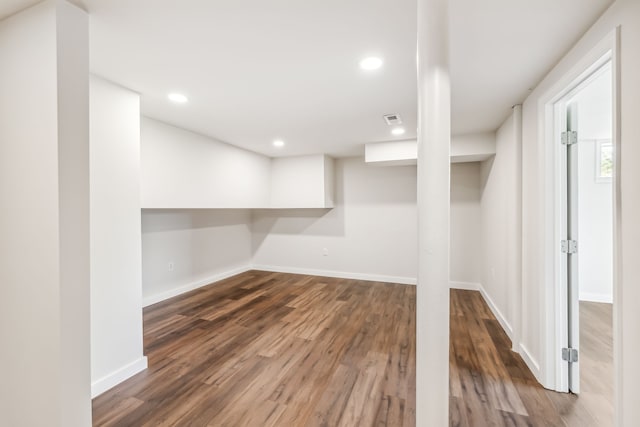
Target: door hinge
(569, 246)
(569, 138)
(570, 355)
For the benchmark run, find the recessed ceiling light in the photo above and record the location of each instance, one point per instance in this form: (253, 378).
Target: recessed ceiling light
(398, 131)
(177, 97)
(278, 143)
(371, 63)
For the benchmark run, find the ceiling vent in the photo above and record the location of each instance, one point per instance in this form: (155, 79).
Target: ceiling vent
(392, 119)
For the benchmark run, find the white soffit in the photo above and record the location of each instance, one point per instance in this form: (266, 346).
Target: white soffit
(396, 153)
(464, 149)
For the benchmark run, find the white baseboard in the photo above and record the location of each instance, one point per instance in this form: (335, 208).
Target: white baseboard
(338, 274)
(153, 299)
(496, 312)
(592, 297)
(520, 348)
(465, 286)
(531, 363)
(107, 382)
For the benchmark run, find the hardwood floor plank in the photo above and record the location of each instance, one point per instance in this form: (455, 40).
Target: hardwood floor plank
(111, 414)
(330, 407)
(391, 412)
(491, 385)
(274, 349)
(266, 414)
(365, 397)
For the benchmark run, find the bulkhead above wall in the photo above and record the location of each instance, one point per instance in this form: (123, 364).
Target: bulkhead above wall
(183, 170)
(466, 148)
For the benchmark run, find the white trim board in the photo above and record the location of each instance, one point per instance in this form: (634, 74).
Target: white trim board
(530, 361)
(593, 297)
(153, 299)
(519, 348)
(109, 381)
(580, 63)
(338, 274)
(497, 313)
(465, 286)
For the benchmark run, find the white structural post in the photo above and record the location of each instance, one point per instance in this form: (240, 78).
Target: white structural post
(514, 232)
(44, 220)
(434, 137)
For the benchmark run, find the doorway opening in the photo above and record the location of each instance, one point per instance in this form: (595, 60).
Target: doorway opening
(585, 147)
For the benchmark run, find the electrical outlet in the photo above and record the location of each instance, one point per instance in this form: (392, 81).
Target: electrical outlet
(325, 252)
(170, 266)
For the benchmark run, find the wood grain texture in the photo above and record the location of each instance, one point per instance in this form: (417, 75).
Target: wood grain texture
(491, 386)
(274, 349)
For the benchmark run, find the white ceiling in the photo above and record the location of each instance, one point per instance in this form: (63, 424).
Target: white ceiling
(9, 7)
(500, 49)
(256, 70)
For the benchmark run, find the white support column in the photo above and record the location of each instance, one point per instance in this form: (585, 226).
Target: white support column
(434, 137)
(44, 219)
(514, 231)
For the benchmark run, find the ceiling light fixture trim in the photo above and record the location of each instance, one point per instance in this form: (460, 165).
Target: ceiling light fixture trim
(371, 63)
(177, 98)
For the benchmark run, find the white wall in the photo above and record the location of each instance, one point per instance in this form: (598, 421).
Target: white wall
(183, 169)
(44, 220)
(594, 107)
(595, 229)
(116, 267)
(465, 232)
(371, 232)
(626, 15)
(500, 243)
(184, 249)
(301, 182)
(595, 222)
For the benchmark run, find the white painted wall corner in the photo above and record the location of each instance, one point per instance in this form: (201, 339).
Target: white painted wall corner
(153, 299)
(465, 286)
(594, 297)
(338, 274)
(530, 361)
(109, 381)
(496, 312)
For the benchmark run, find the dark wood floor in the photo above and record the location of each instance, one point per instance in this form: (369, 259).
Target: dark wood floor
(273, 349)
(270, 349)
(491, 386)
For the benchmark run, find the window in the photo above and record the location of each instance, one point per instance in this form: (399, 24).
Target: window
(604, 161)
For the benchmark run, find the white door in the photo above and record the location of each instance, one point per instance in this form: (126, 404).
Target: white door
(570, 245)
